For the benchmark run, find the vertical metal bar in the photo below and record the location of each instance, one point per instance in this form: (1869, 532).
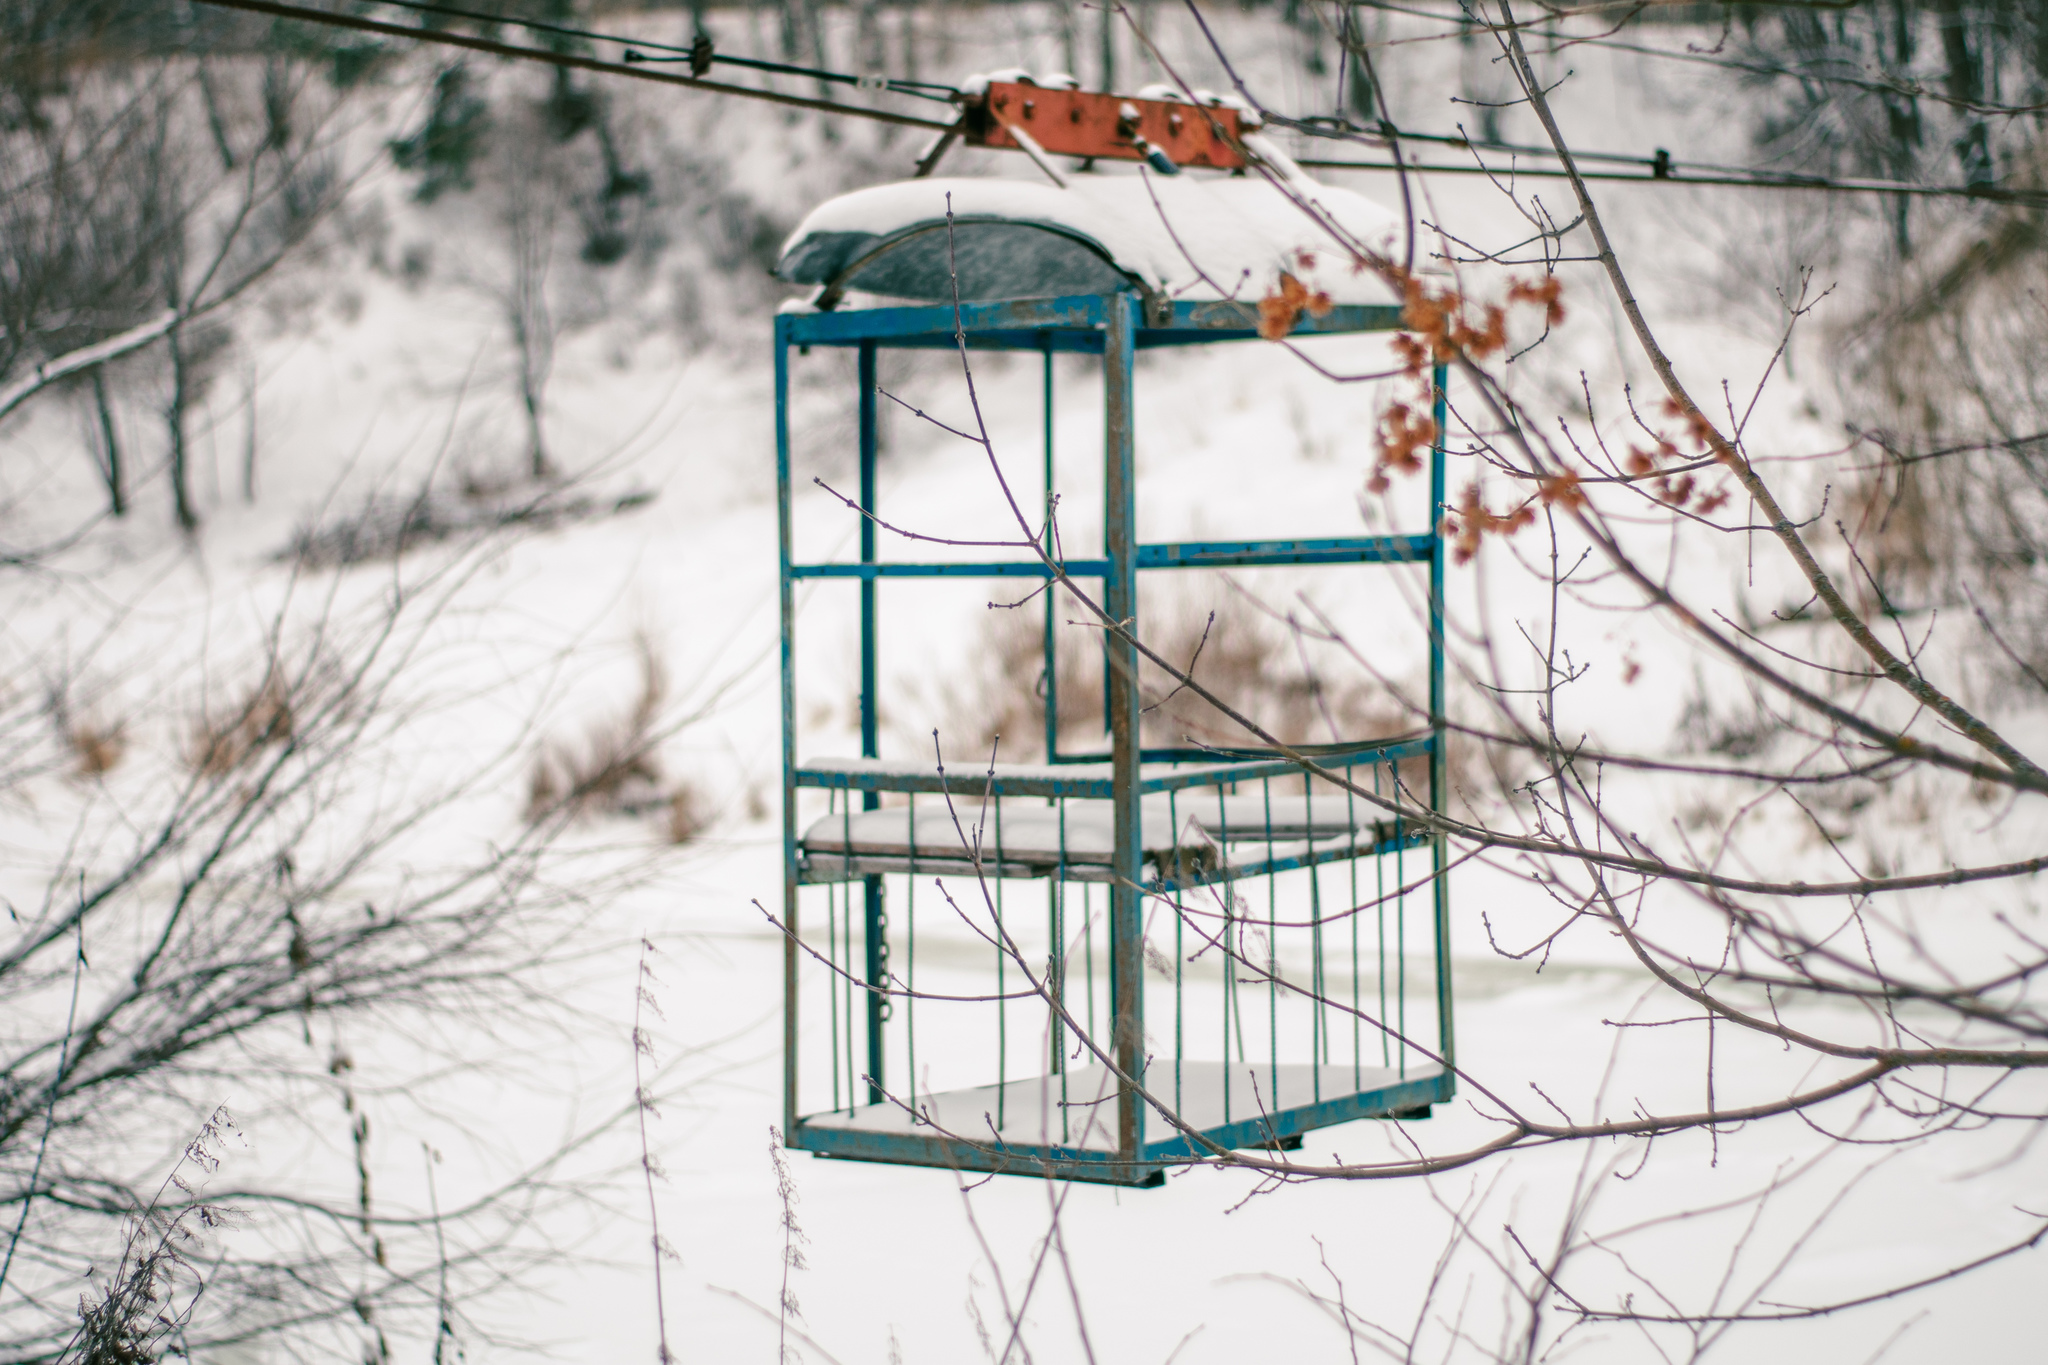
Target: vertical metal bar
(1318, 1031)
(786, 602)
(1052, 671)
(832, 975)
(910, 958)
(1002, 1005)
(1379, 864)
(1109, 27)
(868, 444)
(1088, 950)
(1058, 968)
(846, 906)
(1272, 957)
(1056, 956)
(1178, 878)
(1439, 775)
(1120, 597)
(1351, 812)
(1223, 937)
(1108, 673)
(1401, 929)
(877, 923)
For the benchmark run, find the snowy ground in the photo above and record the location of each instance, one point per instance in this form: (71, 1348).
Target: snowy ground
(896, 1268)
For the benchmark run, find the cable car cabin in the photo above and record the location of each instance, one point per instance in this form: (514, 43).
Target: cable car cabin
(1173, 950)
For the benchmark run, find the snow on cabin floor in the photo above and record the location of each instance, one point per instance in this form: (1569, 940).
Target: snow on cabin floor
(1238, 441)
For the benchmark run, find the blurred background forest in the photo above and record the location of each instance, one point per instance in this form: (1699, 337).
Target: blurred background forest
(308, 337)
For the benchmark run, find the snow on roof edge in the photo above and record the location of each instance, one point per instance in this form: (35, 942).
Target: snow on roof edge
(1192, 236)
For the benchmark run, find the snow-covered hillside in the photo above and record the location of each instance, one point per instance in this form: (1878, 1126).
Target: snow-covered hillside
(383, 370)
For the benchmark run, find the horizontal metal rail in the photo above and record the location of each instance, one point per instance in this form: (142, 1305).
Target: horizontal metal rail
(1220, 769)
(1406, 1099)
(1068, 324)
(1187, 554)
(1012, 568)
(897, 325)
(965, 782)
(1338, 851)
(821, 868)
(1199, 554)
(1325, 755)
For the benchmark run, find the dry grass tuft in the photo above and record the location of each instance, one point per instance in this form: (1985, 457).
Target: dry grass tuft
(1256, 665)
(1240, 653)
(688, 814)
(98, 748)
(1004, 693)
(383, 527)
(616, 768)
(264, 718)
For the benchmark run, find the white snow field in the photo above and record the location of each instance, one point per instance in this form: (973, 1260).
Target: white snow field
(660, 384)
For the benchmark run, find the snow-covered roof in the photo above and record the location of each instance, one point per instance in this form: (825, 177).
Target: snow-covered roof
(1195, 237)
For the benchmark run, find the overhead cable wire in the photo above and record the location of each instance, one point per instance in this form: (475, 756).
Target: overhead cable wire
(635, 70)
(1339, 128)
(1907, 86)
(2033, 199)
(1660, 169)
(1463, 27)
(1660, 165)
(698, 54)
(924, 90)
(1911, 89)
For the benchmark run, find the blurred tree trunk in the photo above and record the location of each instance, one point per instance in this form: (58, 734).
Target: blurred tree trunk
(110, 448)
(912, 56)
(174, 422)
(1109, 23)
(215, 124)
(249, 445)
(533, 333)
(1357, 97)
(1966, 84)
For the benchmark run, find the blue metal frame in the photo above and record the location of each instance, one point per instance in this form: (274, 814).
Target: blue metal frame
(969, 783)
(1114, 327)
(1162, 885)
(1078, 324)
(1194, 554)
(1147, 1167)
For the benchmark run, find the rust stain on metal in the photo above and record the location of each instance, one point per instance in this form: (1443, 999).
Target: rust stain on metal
(1087, 123)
